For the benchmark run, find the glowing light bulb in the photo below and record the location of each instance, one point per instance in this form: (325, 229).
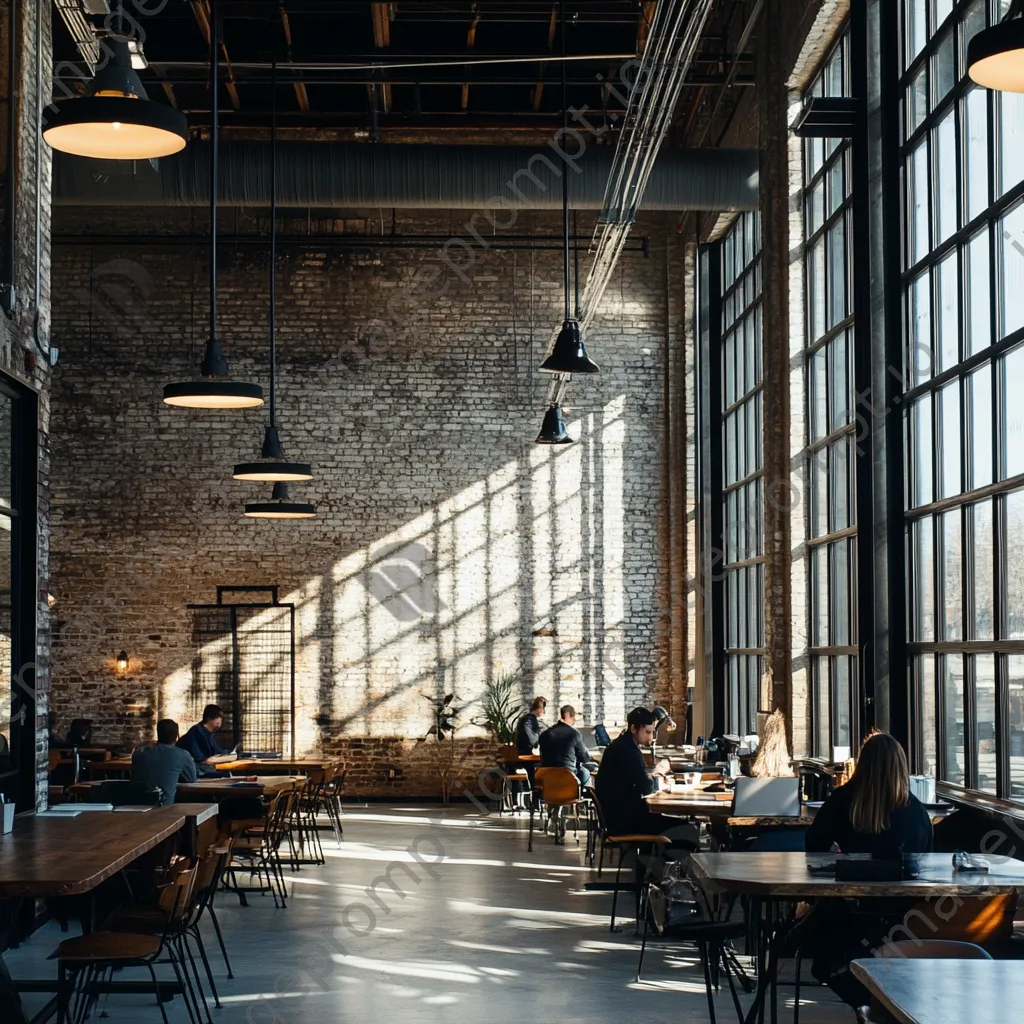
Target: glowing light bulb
(116, 125)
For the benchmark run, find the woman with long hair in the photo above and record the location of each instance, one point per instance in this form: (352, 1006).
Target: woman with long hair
(875, 811)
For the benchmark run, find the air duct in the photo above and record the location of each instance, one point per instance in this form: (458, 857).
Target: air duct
(356, 175)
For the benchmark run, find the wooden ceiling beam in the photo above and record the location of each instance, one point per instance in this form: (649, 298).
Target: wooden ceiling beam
(538, 89)
(301, 95)
(380, 15)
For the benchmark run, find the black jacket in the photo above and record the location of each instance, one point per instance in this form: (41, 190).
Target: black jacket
(909, 831)
(528, 733)
(562, 746)
(622, 783)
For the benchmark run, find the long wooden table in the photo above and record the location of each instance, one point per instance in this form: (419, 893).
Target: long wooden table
(220, 789)
(945, 991)
(256, 766)
(65, 856)
(784, 878)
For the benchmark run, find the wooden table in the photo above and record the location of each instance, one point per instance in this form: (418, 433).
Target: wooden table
(65, 856)
(257, 766)
(690, 804)
(774, 878)
(220, 789)
(945, 991)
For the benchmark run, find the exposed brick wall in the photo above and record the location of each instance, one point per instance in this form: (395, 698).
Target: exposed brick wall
(448, 546)
(24, 335)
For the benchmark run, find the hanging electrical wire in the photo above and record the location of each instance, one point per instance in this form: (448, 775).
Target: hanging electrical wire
(660, 74)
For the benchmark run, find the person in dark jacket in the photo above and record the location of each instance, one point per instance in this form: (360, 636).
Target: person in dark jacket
(562, 746)
(623, 781)
(874, 813)
(530, 727)
(199, 740)
(163, 764)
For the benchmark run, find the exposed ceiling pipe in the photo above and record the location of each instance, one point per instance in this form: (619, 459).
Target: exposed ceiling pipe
(73, 13)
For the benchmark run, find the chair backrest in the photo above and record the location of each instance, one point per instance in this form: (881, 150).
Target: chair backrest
(598, 811)
(175, 899)
(775, 797)
(933, 949)
(558, 786)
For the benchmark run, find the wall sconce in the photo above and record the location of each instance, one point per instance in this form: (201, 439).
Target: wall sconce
(122, 663)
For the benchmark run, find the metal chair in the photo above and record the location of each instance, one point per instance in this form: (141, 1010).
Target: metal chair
(560, 789)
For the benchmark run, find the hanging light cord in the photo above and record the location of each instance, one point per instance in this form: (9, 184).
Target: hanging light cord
(565, 169)
(273, 246)
(214, 165)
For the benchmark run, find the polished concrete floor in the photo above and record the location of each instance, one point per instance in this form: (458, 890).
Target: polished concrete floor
(472, 928)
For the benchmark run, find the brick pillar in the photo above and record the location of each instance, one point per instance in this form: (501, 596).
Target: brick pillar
(773, 109)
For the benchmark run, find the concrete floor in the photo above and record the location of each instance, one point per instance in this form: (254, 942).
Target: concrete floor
(477, 930)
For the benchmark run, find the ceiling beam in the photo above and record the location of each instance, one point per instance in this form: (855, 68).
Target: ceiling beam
(538, 89)
(470, 45)
(201, 10)
(643, 29)
(301, 96)
(380, 15)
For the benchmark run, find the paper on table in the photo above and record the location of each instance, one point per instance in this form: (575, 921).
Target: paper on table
(57, 814)
(135, 809)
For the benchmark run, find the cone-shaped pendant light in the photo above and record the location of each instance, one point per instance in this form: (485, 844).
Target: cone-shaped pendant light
(280, 507)
(569, 354)
(553, 431)
(116, 120)
(214, 390)
(995, 57)
(273, 466)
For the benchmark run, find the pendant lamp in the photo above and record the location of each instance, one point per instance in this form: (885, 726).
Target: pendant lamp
(552, 430)
(280, 506)
(214, 390)
(116, 120)
(273, 466)
(569, 354)
(995, 57)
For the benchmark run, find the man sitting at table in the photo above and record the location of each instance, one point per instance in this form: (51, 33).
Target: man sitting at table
(530, 727)
(162, 764)
(623, 781)
(199, 741)
(562, 746)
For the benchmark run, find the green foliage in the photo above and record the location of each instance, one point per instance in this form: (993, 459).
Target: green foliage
(502, 707)
(444, 717)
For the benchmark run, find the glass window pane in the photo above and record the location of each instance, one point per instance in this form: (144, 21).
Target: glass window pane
(917, 101)
(839, 485)
(983, 619)
(920, 329)
(980, 389)
(921, 436)
(816, 289)
(985, 720)
(818, 524)
(1014, 558)
(946, 180)
(947, 287)
(949, 440)
(915, 27)
(976, 157)
(924, 580)
(1015, 715)
(952, 577)
(819, 597)
(837, 273)
(917, 201)
(815, 209)
(929, 718)
(729, 360)
(840, 565)
(940, 11)
(953, 698)
(1011, 130)
(1013, 413)
(839, 390)
(822, 713)
(842, 701)
(1011, 305)
(818, 394)
(977, 295)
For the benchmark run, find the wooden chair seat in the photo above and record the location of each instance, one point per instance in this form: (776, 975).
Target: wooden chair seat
(140, 921)
(107, 946)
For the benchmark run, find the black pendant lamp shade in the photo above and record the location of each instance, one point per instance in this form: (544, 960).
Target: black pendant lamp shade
(273, 467)
(117, 120)
(553, 431)
(214, 390)
(569, 354)
(995, 57)
(276, 467)
(280, 507)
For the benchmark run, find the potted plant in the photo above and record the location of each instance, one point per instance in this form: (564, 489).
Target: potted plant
(502, 707)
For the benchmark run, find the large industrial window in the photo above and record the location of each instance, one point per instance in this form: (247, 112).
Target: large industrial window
(962, 408)
(743, 490)
(829, 457)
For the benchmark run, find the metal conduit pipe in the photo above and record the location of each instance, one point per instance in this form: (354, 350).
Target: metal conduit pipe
(495, 178)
